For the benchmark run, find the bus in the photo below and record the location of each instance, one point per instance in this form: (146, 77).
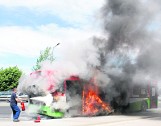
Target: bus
(78, 97)
(74, 97)
(143, 97)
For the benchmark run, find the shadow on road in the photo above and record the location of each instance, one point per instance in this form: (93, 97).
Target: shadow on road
(151, 114)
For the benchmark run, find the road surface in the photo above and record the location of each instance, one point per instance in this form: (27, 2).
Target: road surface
(151, 117)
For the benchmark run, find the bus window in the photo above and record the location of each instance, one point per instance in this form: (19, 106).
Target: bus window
(143, 93)
(136, 91)
(153, 91)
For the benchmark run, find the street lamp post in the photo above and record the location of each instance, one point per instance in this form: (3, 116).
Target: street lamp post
(53, 51)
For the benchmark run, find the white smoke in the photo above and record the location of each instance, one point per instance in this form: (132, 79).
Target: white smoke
(75, 59)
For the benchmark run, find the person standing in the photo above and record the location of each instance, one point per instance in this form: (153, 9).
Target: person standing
(13, 104)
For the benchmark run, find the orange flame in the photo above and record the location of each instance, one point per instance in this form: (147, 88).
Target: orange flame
(92, 103)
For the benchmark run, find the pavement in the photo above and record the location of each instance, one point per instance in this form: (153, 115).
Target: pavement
(6, 112)
(4, 103)
(89, 121)
(112, 120)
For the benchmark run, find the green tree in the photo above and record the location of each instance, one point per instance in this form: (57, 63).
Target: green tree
(9, 78)
(46, 54)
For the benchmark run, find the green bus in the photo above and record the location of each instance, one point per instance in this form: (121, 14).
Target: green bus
(143, 97)
(139, 98)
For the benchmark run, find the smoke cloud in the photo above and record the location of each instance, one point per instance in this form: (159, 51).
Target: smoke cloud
(127, 54)
(130, 51)
(132, 38)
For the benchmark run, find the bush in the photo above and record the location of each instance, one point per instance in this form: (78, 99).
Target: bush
(9, 78)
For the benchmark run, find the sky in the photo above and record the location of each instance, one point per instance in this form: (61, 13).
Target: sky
(29, 26)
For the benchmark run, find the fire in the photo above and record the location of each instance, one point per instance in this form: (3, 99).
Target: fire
(92, 103)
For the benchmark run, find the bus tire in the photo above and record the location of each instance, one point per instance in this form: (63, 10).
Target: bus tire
(144, 106)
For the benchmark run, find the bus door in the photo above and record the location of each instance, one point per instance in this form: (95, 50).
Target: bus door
(153, 97)
(74, 97)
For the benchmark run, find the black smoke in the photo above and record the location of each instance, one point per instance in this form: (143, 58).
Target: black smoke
(132, 47)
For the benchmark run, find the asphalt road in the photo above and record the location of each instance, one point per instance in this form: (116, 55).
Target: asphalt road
(154, 115)
(6, 112)
(113, 120)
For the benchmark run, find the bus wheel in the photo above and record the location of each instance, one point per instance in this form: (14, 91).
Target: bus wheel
(144, 106)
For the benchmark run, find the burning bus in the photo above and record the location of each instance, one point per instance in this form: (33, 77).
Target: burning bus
(78, 97)
(75, 97)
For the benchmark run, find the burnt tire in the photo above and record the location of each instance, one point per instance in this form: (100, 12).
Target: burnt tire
(144, 106)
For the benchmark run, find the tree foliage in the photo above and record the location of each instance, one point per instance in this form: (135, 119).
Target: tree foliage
(9, 78)
(46, 54)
